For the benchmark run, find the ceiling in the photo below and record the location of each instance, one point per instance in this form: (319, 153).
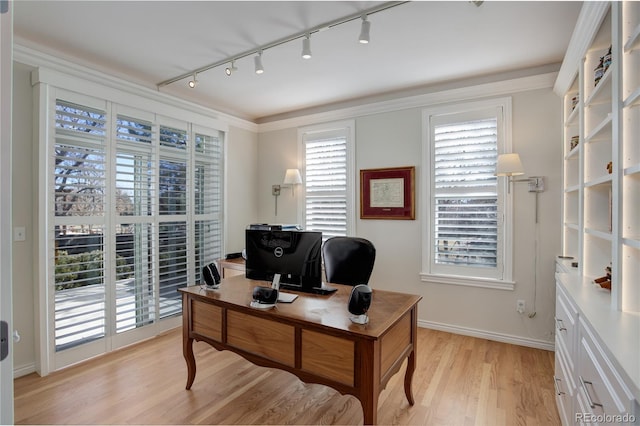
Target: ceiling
(413, 45)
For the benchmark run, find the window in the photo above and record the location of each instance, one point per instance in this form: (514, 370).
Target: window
(328, 170)
(136, 211)
(465, 237)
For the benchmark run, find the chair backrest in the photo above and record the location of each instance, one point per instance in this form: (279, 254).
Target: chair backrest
(348, 260)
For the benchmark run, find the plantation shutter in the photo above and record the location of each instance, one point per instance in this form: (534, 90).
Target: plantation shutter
(173, 227)
(326, 183)
(465, 194)
(135, 206)
(208, 207)
(79, 191)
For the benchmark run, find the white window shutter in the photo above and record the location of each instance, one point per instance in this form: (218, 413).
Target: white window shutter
(326, 184)
(465, 199)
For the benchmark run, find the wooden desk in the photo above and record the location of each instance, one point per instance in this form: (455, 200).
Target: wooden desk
(312, 337)
(231, 267)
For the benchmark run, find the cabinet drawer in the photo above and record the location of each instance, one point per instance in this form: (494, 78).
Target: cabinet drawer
(565, 389)
(599, 385)
(566, 325)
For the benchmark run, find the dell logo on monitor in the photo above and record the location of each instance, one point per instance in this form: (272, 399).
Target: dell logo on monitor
(278, 252)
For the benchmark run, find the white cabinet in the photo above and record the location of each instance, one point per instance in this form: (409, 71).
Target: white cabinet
(597, 366)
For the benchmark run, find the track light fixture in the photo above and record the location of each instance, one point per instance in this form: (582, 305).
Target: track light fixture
(306, 47)
(258, 63)
(306, 43)
(193, 83)
(364, 30)
(230, 70)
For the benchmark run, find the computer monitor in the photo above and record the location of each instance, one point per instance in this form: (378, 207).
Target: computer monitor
(295, 255)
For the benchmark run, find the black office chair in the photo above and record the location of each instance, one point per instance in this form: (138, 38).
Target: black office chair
(348, 260)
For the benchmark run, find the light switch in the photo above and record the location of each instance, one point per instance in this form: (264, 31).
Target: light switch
(19, 233)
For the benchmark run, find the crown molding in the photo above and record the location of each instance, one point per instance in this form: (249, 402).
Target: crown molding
(38, 59)
(589, 20)
(470, 92)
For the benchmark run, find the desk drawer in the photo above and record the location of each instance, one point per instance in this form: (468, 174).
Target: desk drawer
(263, 337)
(206, 320)
(394, 344)
(328, 356)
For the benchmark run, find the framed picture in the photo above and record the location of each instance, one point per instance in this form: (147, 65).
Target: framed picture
(387, 193)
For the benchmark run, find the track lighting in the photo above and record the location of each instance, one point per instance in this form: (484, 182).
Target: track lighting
(364, 31)
(193, 83)
(258, 62)
(230, 70)
(306, 47)
(305, 35)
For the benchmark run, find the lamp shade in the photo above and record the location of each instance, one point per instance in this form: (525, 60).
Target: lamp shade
(509, 165)
(292, 177)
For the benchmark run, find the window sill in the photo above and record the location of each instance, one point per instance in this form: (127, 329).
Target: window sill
(468, 281)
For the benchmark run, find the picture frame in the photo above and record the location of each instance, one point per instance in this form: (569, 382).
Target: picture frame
(387, 193)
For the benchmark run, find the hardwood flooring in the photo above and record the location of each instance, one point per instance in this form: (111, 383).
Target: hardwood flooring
(459, 380)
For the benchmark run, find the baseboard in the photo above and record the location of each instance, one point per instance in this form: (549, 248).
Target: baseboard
(23, 370)
(489, 335)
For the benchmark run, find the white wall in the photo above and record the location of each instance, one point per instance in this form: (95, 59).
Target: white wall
(23, 215)
(241, 179)
(394, 139)
(278, 151)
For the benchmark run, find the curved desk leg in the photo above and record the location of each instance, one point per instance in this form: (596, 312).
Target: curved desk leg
(408, 376)
(187, 351)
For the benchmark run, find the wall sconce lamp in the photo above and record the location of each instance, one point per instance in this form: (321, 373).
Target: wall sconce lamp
(292, 177)
(510, 165)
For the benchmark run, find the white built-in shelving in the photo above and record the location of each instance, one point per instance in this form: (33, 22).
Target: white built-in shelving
(597, 329)
(601, 223)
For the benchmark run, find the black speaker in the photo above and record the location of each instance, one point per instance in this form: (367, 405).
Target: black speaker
(211, 276)
(265, 295)
(359, 303)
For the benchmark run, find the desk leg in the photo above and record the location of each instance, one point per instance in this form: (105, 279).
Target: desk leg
(408, 377)
(370, 408)
(187, 342)
(187, 351)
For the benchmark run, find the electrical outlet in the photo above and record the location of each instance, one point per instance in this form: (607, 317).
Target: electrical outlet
(520, 307)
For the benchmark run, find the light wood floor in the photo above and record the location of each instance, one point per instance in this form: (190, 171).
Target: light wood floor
(459, 380)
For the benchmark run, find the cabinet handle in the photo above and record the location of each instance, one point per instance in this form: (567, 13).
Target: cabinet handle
(560, 325)
(592, 404)
(555, 384)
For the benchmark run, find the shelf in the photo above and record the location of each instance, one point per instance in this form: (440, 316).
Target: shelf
(602, 180)
(599, 233)
(634, 40)
(573, 154)
(572, 188)
(633, 242)
(600, 94)
(633, 170)
(633, 99)
(571, 119)
(600, 129)
(573, 226)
